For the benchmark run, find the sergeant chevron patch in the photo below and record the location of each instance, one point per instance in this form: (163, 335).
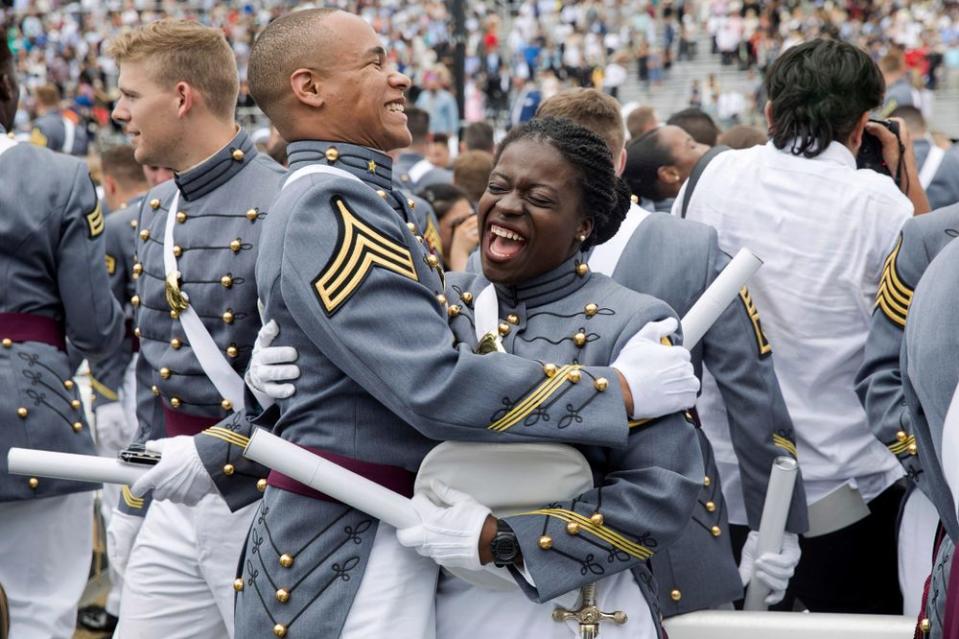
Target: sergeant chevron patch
(432, 237)
(111, 264)
(893, 296)
(359, 249)
(95, 221)
(761, 342)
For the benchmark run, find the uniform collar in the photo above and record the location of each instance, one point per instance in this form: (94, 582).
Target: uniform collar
(374, 167)
(216, 170)
(552, 285)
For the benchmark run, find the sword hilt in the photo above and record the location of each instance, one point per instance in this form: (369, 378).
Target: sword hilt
(588, 615)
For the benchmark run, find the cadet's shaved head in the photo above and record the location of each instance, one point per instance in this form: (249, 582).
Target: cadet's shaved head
(287, 44)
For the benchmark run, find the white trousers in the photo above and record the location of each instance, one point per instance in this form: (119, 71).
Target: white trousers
(464, 611)
(110, 493)
(179, 582)
(45, 550)
(917, 535)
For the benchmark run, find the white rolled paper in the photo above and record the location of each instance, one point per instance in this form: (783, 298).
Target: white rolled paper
(718, 296)
(45, 463)
(772, 525)
(331, 479)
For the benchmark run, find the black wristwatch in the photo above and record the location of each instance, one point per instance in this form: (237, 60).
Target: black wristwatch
(504, 547)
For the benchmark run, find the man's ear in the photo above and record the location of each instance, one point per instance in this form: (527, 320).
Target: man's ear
(186, 97)
(768, 112)
(668, 174)
(307, 88)
(855, 138)
(621, 162)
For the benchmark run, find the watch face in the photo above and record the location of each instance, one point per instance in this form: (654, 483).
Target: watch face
(504, 547)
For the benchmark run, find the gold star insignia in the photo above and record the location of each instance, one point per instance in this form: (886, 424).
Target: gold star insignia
(371, 166)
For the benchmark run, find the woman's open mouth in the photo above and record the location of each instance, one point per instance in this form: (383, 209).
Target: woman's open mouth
(502, 244)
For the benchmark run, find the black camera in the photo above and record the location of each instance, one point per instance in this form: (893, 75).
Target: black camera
(870, 153)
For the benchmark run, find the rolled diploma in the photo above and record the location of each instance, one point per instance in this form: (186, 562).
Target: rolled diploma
(772, 525)
(718, 296)
(329, 478)
(46, 463)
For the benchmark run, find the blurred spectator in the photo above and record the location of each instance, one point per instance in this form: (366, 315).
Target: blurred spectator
(439, 103)
(55, 128)
(528, 97)
(412, 169)
(589, 108)
(478, 136)
(658, 163)
(457, 223)
(439, 151)
(698, 124)
(938, 168)
(471, 172)
(123, 179)
(640, 120)
(742, 136)
(899, 89)
(157, 174)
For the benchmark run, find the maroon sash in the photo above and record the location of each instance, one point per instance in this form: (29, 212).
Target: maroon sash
(26, 327)
(178, 423)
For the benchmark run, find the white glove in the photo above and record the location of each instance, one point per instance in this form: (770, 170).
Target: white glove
(660, 377)
(111, 426)
(772, 569)
(121, 533)
(179, 476)
(450, 527)
(271, 364)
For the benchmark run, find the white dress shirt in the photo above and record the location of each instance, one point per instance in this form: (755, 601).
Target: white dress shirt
(823, 230)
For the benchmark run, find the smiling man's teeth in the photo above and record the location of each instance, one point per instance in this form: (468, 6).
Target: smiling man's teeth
(395, 106)
(508, 234)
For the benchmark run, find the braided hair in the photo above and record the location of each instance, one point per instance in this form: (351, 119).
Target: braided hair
(604, 196)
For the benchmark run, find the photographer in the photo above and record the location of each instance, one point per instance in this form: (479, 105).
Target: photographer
(823, 228)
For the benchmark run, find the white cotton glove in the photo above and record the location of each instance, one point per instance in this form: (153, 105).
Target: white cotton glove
(271, 364)
(449, 532)
(111, 426)
(179, 476)
(772, 569)
(121, 533)
(660, 377)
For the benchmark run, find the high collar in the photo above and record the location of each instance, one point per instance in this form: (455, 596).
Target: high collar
(373, 167)
(552, 285)
(217, 169)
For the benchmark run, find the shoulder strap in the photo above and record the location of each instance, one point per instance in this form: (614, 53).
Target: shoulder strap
(929, 168)
(6, 143)
(697, 172)
(318, 168)
(605, 257)
(69, 134)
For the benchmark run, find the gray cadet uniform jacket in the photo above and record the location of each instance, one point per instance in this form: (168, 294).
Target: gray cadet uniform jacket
(944, 188)
(50, 130)
(930, 358)
(879, 382)
(644, 493)
(120, 234)
(53, 286)
(223, 202)
(364, 304)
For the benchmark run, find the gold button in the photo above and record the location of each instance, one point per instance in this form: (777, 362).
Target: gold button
(227, 317)
(711, 506)
(432, 260)
(238, 155)
(174, 314)
(279, 630)
(232, 350)
(226, 404)
(133, 224)
(913, 449)
(235, 245)
(503, 328)
(467, 298)
(165, 373)
(177, 250)
(550, 370)
(238, 584)
(145, 234)
(175, 344)
(601, 384)
(707, 481)
(33, 482)
(675, 595)
(332, 155)
(136, 331)
(572, 528)
(901, 436)
(175, 402)
(573, 376)
(715, 531)
(453, 310)
(181, 217)
(77, 427)
(226, 281)
(512, 318)
(22, 412)
(410, 203)
(286, 560)
(579, 339)
(282, 595)
(925, 625)
(7, 342)
(382, 194)
(411, 227)
(261, 485)
(229, 469)
(137, 269)
(545, 542)
(68, 384)
(582, 270)
(155, 390)
(591, 309)
(135, 300)
(75, 404)
(251, 214)
(597, 519)
(441, 298)
(155, 203)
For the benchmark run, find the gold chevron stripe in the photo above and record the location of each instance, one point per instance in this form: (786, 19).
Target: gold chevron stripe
(432, 237)
(95, 221)
(539, 394)
(361, 248)
(893, 297)
(902, 447)
(636, 423)
(131, 500)
(227, 435)
(786, 445)
(616, 539)
(762, 343)
(100, 389)
(111, 263)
